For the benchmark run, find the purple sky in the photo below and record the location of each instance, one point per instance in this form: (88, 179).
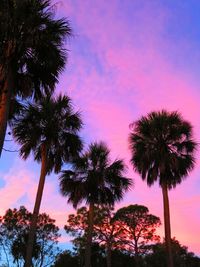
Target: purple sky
(126, 58)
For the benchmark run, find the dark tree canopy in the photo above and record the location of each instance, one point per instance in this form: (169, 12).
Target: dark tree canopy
(106, 228)
(94, 178)
(53, 122)
(32, 42)
(162, 148)
(14, 227)
(32, 53)
(139, 227)
(181, 255)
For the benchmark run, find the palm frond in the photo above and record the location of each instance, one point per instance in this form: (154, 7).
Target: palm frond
(162, 148)
(46, 121)
(94, 178)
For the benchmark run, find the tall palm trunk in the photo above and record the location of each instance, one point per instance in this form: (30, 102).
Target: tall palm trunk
(89, 236)
(167, 226)
(33, 226)
(6, 87)
(108, 256)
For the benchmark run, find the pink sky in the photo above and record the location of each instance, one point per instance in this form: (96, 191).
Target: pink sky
(126, 58)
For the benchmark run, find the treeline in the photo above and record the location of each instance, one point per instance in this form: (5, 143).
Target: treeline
(120, 238)
(45, 125)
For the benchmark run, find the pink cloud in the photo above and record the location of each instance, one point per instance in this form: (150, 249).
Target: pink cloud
(18, 182)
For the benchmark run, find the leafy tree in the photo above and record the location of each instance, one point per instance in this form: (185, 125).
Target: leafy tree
(14, 228)
(95, 180)
(69, 259)
(66, 258)
(154, 258)
(139, 228)
(181, 256)
(49, 129)
(32, 52)
(107, 232)
(121, 258)
(163, 150)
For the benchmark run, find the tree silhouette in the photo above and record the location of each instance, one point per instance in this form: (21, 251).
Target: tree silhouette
(14, 228)
(49, 129)
(163, 150)
(107, 231)
(95, 180)
(32, 52)
(139, 228)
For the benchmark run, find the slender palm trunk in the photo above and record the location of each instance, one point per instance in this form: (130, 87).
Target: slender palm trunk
(33, 226)
(108, 256)
(6, 87)
(167, 226)
(89, 236)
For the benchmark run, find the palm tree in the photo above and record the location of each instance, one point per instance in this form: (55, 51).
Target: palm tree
(163, 150)
(32, 52)
(95, 180)
(48, 129)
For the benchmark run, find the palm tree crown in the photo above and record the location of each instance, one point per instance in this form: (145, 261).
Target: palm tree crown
(52, 122)
(32, 44)
(162, 148)
(32, 52)
(94, 178)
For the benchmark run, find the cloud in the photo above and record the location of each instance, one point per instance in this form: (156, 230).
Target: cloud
(123, 63)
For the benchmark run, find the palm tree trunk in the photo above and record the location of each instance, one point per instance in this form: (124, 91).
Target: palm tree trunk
(6, 86)
(167, 226)
(33, 226)
(108, 258)
(89, 236)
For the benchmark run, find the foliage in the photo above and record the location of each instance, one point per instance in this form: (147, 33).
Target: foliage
(49, 129)
(128, 230)
(181, 256)
(106, 229)
(50, 121)
(66, 258)
(155, 257)
(94, 178)
(162, 148)
(69, 259)
(14, 228)
(32, 42)
(139, 227)
(32, 53)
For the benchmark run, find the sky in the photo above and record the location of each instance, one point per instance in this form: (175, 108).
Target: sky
(126, 58)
